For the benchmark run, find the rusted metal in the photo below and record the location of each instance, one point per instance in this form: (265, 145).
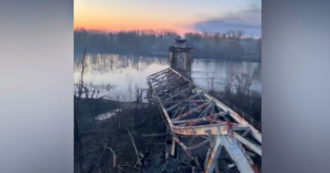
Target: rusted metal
(192, 147)
(179, 117)
(184, 147)
(236, 154)
(212, 155)
(190, 112)
(198, 120)
(214, 129)
(256, 148)
(237, 118)
(181, 102)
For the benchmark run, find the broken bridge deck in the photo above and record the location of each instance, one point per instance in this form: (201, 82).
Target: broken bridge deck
(193, 114)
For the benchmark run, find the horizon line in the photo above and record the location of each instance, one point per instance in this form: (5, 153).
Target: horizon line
(161, 30)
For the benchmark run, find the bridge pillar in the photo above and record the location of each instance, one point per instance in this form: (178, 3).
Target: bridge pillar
(180, 57)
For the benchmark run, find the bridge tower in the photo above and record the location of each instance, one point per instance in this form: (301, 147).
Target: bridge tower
(180, 57)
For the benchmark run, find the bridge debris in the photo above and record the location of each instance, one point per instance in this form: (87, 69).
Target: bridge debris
(194, 118)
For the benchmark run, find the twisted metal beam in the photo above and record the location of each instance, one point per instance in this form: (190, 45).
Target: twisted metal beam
(208, 118)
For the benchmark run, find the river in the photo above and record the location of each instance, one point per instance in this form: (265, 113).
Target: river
(118, 76)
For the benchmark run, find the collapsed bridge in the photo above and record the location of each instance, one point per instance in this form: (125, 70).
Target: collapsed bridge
(197, 120)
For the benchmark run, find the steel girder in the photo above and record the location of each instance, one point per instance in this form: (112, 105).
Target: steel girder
(192, 113)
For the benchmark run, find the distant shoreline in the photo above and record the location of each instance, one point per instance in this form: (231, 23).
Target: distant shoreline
(163, 55)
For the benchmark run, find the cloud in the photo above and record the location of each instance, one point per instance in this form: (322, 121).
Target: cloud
(248, 21)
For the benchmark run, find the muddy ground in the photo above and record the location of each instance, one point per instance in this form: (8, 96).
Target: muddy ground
(94, 139)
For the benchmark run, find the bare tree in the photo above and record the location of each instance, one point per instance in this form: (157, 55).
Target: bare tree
(138, 94)
(81, 87)
(78, 140)
(230, 77)
(243, 84)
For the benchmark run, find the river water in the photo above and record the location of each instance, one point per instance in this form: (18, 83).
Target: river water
(118, 76)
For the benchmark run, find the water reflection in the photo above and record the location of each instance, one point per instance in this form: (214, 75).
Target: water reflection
(126, 73)
(212, 73)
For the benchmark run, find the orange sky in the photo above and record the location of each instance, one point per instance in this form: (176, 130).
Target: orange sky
(180, 16)
(104, 16)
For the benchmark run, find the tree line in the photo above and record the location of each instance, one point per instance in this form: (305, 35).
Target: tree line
(233, 45)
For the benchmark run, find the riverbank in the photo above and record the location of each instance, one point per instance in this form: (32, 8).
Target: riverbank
(107, 145)
(78, 56)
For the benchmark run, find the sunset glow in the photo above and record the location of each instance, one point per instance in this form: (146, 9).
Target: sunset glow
(180, 16)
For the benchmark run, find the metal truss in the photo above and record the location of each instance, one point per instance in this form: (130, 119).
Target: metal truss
(195, 120)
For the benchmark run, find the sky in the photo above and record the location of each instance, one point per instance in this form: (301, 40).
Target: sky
(178, 15)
